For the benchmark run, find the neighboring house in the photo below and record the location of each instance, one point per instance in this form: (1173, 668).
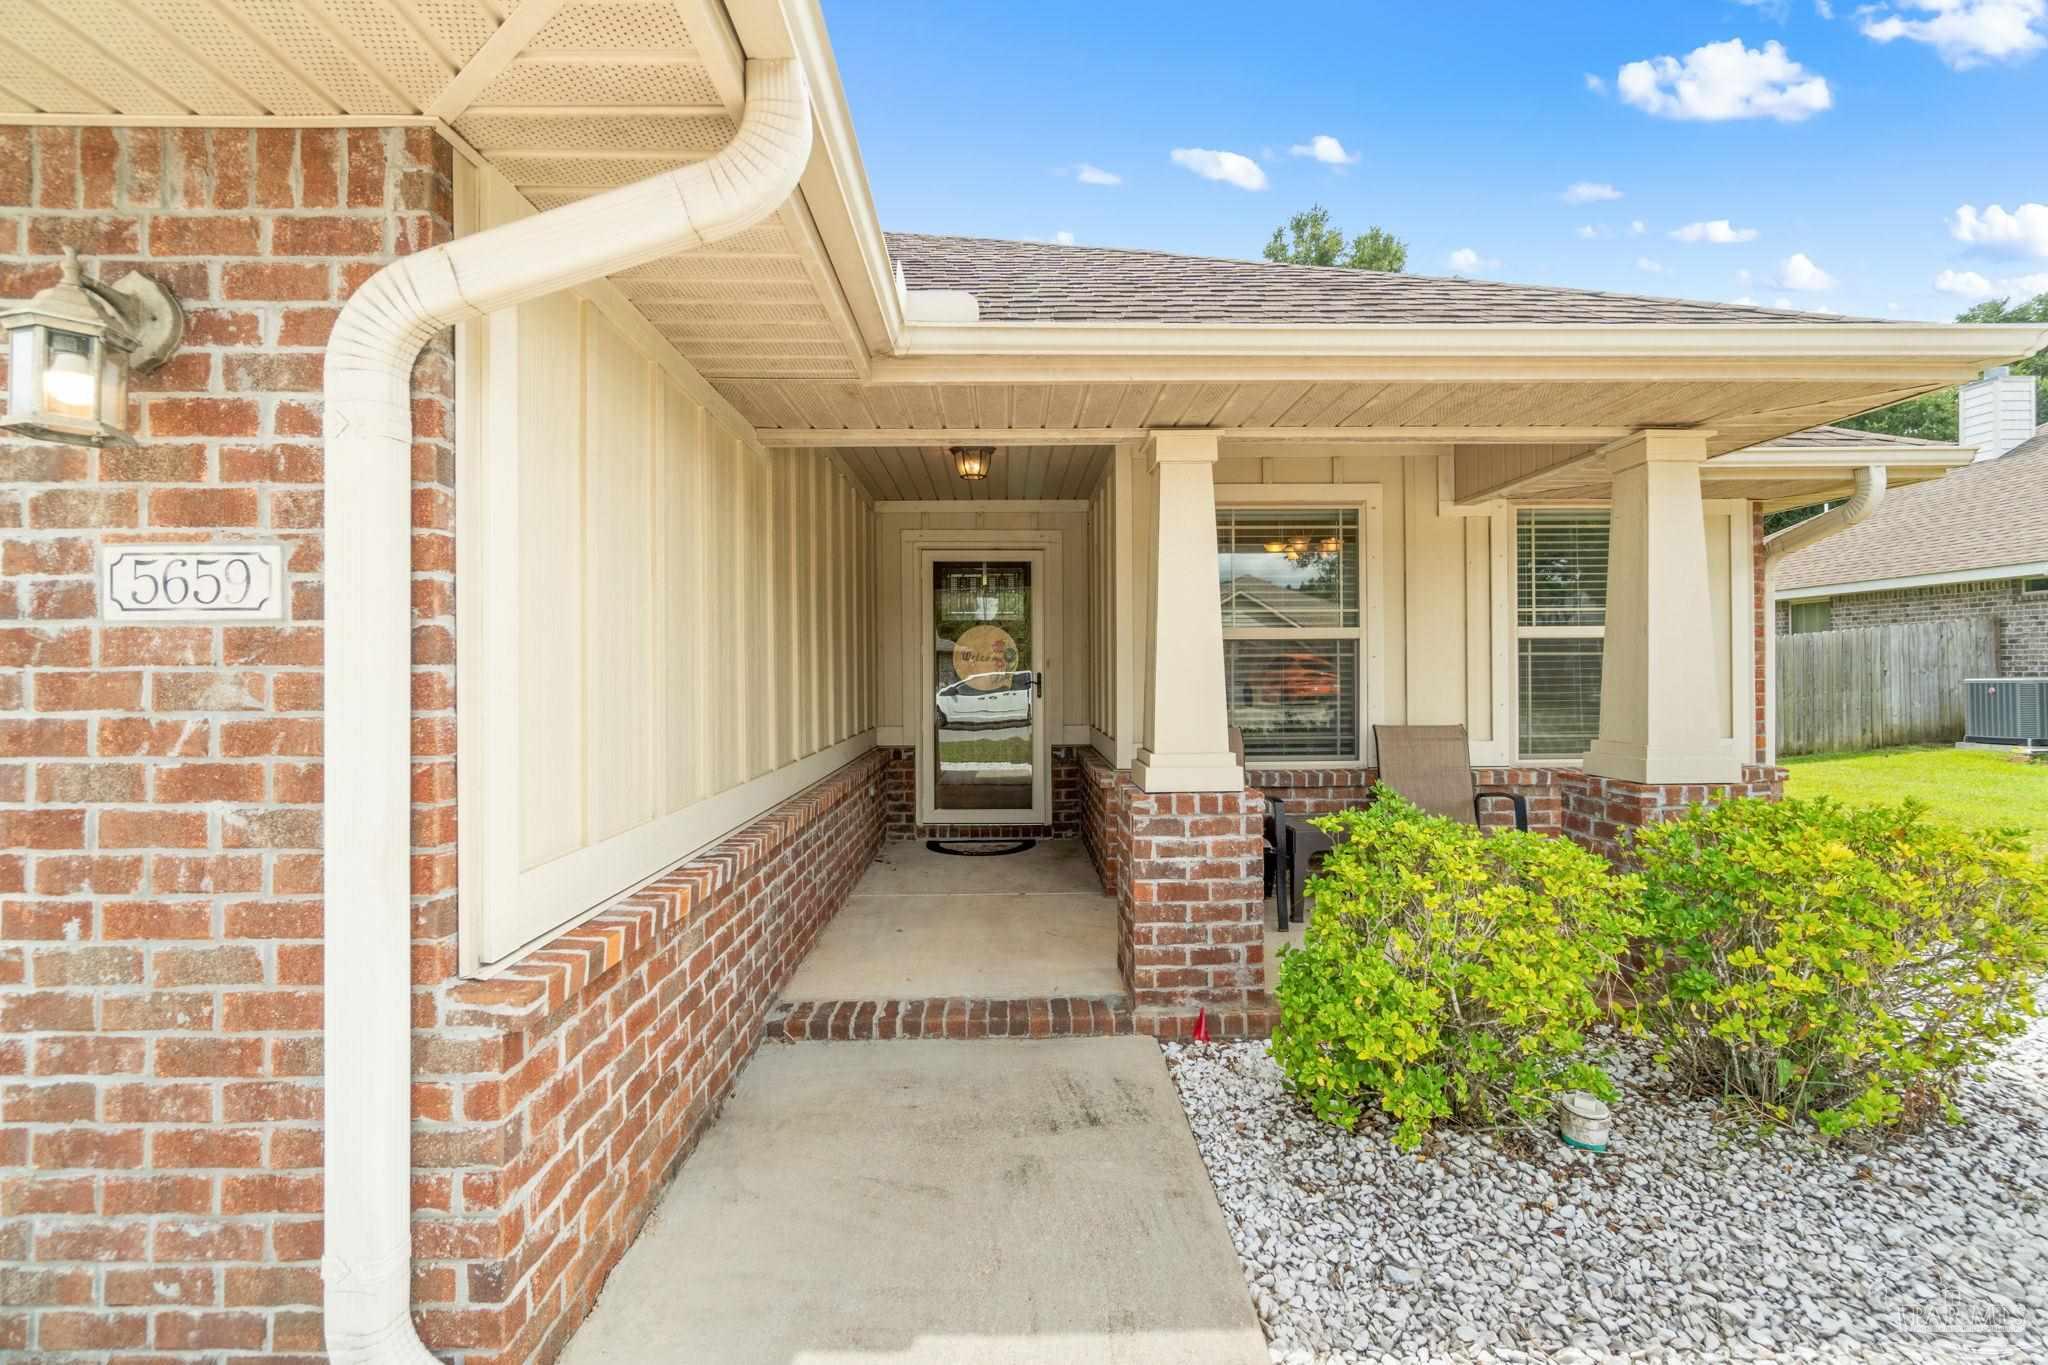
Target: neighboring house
(374, 955)
(1973, 544)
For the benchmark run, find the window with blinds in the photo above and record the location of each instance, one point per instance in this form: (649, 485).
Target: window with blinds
(1289, 584)
(1560, 628)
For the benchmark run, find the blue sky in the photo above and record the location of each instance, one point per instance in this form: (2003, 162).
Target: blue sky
(1854, 146)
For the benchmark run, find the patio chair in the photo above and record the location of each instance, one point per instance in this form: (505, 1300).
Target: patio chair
(1428, 765)
(1431, 766)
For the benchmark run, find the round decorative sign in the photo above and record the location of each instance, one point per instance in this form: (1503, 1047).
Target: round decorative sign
(984, 657)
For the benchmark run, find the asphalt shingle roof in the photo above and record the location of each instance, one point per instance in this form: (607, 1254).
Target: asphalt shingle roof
(1984, 516)
(1833, 438)
(1045, 282)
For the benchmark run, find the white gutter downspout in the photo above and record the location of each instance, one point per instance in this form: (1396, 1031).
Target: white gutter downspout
(1870, 486)
(367, 816)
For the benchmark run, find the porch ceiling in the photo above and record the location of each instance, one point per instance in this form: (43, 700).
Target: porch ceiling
(563, 97)
(925, 473)
(1567, 414)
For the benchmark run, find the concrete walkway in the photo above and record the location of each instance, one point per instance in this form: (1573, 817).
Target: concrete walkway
(923, 925)
(1000, 1203)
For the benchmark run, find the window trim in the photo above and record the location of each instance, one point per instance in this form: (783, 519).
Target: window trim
(1367, 501)
(2026, 591)
(1517, 632)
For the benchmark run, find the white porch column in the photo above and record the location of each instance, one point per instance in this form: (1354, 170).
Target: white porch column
(1185, 744)
(1659, 711)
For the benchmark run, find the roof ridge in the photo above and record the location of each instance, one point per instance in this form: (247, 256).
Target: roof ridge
(1398, 279)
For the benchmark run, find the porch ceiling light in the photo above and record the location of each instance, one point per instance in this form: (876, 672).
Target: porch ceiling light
(70, 350)
(972, 462)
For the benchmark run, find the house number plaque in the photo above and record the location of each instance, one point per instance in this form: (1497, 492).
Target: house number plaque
(192, 582)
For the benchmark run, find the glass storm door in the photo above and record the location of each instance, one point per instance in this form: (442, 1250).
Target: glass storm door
(984, 762)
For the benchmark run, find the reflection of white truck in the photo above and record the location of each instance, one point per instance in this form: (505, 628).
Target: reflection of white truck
(982, 701)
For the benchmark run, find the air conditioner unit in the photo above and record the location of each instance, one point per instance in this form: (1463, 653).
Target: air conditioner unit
(2010, 711)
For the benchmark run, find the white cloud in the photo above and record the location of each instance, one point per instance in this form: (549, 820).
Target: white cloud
(1637, 227)
(1589, 192)
(1229, 167)
(1063, 237)
(1798, 271)
(1325, 149)
(1466, 261)
(1965, 284)
(1745, 300)
(1970, 284)
(1095, 175)
(1823, 9)
(1590, 233)
(1648, 266)
(1781, 302)
(1595, 84)
(1964, 33)
(1725, 81)
(1780, 10)
(2023, 232)
(1719, 231)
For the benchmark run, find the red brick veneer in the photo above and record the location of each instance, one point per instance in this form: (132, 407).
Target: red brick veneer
(949, 1017)
(1600, 811)
(565, 1093)
(160, 1009)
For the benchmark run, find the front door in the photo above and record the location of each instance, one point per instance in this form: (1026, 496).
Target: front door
(983, 761)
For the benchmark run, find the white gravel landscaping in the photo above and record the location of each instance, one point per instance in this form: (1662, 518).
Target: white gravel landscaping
(1691, 1240)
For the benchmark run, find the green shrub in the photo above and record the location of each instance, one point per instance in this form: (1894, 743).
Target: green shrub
(1848, 964)
(1447, 974)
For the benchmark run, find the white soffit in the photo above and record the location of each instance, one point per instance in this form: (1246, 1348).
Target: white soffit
(563, 97)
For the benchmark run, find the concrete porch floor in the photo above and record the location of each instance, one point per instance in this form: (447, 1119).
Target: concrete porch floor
(936, 1203)
(924, 925)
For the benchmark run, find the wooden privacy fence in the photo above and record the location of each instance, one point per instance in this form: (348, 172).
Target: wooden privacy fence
(1880, 685)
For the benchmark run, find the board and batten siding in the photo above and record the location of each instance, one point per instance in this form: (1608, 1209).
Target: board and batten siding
(664, 629)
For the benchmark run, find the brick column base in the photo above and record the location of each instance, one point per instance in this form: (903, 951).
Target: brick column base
(1190, 905)
(1599, 811)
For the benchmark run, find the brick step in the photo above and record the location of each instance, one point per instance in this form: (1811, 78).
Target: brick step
(1060, 1016)
(964, 1017)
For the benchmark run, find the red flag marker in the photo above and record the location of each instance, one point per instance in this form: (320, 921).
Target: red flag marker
(1202, 1025)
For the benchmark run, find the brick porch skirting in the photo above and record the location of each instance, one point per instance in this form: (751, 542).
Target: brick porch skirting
(585, 1074)
(1593, 811)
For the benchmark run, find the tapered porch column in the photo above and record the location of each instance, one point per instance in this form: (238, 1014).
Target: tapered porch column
(1185, 737)
(1659, 710)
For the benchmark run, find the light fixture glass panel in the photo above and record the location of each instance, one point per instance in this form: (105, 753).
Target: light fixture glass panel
(21, 369)
(70, 381)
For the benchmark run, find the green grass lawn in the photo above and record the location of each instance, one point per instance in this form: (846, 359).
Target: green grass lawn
(1968, 787)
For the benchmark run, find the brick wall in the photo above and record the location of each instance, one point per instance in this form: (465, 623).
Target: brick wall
(1600, 811)
(1190, 907)
(1104, 819)
(556, 1101)
(160, 887)
(2022, 619)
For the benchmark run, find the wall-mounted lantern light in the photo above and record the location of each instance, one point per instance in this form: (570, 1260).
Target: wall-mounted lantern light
(972, 462)
(71, 348)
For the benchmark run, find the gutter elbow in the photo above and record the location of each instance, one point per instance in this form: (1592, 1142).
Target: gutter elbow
(1869, 495)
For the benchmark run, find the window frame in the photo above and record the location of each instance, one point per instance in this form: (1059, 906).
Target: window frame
(1365, 500)
(1517, 632)
(2040, 591)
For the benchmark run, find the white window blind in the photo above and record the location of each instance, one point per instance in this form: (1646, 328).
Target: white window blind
(1560, 625)
(1289, 584)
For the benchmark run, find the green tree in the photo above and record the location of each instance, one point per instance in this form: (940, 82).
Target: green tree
(1932, 416)
(1308, 239)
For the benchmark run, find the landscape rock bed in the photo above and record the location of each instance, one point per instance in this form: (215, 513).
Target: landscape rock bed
(1692, 1239)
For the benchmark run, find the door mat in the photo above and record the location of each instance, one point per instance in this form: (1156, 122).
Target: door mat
(980, 848)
